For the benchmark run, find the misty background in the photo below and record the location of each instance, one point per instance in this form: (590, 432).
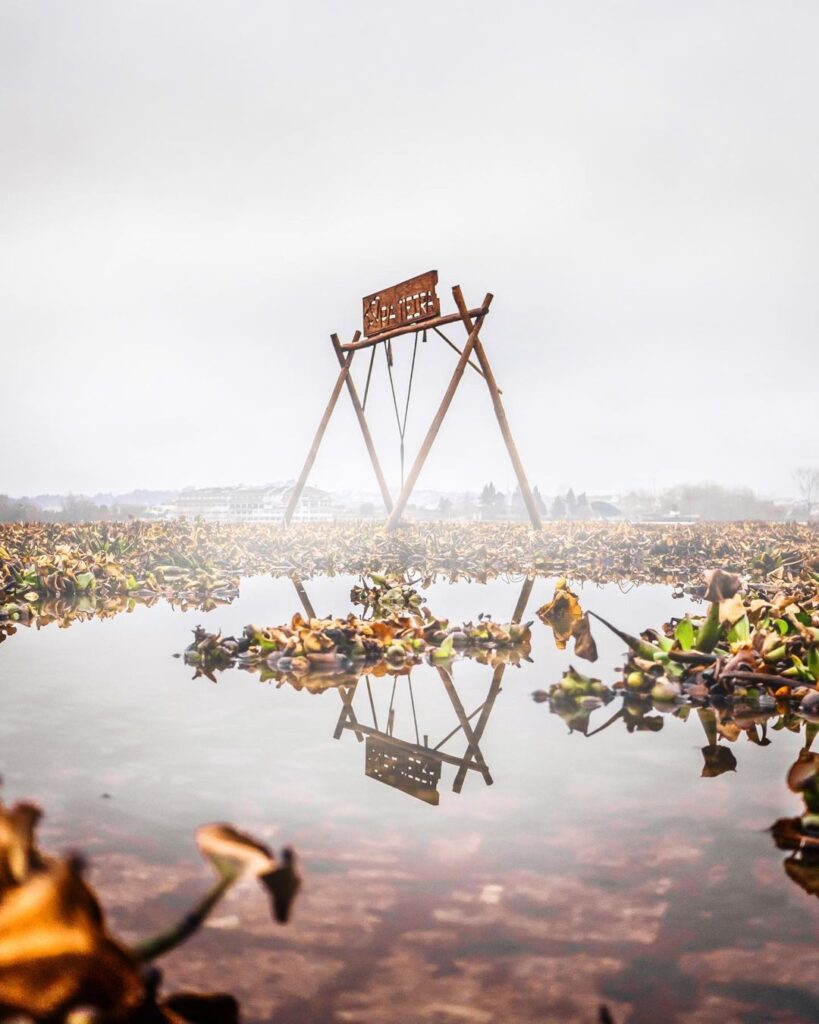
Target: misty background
(193, 195)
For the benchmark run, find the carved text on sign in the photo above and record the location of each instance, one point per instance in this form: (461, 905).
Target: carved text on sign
(405, 303)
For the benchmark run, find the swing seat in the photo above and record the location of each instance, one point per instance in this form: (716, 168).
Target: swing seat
(416, 772)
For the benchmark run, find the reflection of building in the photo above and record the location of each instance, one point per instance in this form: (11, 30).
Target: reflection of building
(252, 504)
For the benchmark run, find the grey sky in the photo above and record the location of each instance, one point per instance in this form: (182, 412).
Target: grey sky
(193, 195)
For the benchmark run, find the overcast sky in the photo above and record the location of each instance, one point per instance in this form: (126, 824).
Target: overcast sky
(193, 195)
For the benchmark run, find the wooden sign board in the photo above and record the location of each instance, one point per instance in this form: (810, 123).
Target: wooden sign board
(410, 302)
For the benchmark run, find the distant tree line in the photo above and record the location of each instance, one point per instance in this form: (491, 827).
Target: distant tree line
(702, 501)
(685, 501)
(74, 509)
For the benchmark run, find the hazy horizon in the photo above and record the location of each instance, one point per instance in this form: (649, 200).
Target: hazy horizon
(195, 195)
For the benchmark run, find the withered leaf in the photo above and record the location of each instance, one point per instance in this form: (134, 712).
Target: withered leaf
(561, 613)
(584, 645)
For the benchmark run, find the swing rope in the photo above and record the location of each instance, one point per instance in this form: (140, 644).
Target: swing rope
(369, 375)
(402, 424)
(414, 716)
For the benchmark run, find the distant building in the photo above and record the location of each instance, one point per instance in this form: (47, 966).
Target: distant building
(253, 504)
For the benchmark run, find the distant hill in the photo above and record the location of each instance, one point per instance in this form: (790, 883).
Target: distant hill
(140, 498)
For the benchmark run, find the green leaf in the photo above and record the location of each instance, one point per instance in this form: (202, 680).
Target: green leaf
(741, 630)
(266, 643)
(782, 625)
(684, 634)
(446, 650)
(802, 670)
(813, 662)
(708, 633)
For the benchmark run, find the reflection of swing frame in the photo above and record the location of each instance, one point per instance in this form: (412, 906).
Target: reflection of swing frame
(413, 306)
(415, 768)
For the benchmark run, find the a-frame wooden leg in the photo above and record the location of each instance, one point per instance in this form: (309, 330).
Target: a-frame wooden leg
(500, 413)
(495, 688)
(523, 599)
(473, 737)
(295, 494)
(347, 713)
(343, 377)
(362, 421)
(435, 426)
(306, 603)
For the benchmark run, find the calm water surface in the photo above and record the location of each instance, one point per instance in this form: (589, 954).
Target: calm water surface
(573, 870)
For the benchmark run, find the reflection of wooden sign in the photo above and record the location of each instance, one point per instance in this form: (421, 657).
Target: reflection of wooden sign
(406, 303)
(413, 770)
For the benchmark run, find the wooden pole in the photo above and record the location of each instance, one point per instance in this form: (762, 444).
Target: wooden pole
(435, 426)
(362, 421)
(295, 494)
(500, 413)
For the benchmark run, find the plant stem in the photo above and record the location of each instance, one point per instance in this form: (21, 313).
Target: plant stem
(642, 648)
(165, 941)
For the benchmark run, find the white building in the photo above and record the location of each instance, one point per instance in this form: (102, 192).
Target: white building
(253, 504)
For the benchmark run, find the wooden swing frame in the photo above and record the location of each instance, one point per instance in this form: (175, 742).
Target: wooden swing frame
(472, 321)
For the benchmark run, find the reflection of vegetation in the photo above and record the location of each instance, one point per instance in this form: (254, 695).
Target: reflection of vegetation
(89, 606)
(383, 596)
(59, 961)
(576, 697)
(801, 835)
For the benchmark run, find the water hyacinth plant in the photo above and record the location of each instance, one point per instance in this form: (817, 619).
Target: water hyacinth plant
(59, 961)
(326, 652)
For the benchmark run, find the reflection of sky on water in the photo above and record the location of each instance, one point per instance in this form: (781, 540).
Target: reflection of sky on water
(591, 868)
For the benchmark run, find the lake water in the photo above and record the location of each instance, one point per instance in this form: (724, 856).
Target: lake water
(573, 870)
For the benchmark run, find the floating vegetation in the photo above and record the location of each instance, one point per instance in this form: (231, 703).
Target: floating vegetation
(752, 660)
(568, 621)
(60, 572)
(62, 560)
(318, 653)
(752, 643)
(58, 959)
